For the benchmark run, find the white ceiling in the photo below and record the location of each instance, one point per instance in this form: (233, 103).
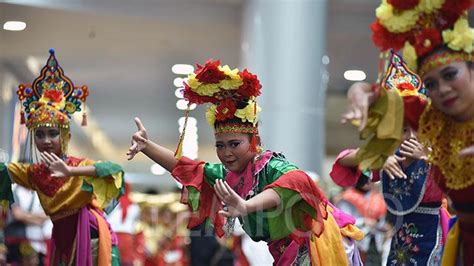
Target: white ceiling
(123, 50)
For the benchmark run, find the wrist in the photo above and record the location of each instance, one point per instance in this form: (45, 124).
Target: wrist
(147, 146)
(71, 171)
(246, 207)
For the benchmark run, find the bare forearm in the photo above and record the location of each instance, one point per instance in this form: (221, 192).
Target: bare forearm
(83, 171)
(160, 155)
(28, 218)
(268, 198)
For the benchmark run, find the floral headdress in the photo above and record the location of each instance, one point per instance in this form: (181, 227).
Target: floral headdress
(231, 95)
(51, 99)
(417, 27)
(409, 85)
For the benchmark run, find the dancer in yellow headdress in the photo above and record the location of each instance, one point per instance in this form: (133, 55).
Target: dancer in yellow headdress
(435, 39)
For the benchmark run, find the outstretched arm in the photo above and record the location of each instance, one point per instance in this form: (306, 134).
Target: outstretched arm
(158, 153)
(360, 96)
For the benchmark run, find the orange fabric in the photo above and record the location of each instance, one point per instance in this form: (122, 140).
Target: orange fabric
(105, 241)
(373, 207)
(328, 248)
(351, 231)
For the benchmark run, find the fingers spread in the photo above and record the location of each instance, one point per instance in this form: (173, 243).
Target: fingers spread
(46, 158)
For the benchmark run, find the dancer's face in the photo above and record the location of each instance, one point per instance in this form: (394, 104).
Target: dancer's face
(48, 139)
(233, 150)
(408, 132)
(451, 89)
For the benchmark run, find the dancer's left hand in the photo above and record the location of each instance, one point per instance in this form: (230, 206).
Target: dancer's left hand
(413, 149)
(56, 166)
(236, 206)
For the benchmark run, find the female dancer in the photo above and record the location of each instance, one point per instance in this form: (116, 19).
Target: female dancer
(436, 40)
(274, 200)
(73, 191)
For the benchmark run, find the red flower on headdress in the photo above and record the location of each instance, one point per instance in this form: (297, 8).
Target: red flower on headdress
(403, 4)
(54, 95)
(426, 41)
(251, 85)
(225, 110)
(193, 97)
(385, 40)
(405, 86)
(452, 9)
(209, 73)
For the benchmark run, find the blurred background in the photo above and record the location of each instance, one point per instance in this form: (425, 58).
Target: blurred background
(133, 56)
(125, 51)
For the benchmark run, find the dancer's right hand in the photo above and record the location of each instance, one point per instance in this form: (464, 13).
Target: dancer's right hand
(139, 140)
(359, 96)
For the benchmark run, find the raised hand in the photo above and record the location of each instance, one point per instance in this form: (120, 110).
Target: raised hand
(359, 95)
(56, 165)
(411, 148)
(236, 206)
(139, 140)
(469, 151)
(392, 167)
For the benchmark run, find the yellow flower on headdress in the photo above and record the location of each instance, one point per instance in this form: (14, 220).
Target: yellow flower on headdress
(202, 89)
(232, 81)
(430, 6)
(193, 82)
(211, 114)
(396, 23)
(249, 114)
(460, 37)
(409, 55)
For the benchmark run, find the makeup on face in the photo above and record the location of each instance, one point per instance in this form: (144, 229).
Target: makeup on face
(48, 139)
(451, 89)
(233, 151)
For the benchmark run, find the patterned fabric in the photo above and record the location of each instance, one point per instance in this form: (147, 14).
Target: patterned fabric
(404, 195)
(298, 218)
(417, 240)
(52, 98)
(447, 138)
(72, 193)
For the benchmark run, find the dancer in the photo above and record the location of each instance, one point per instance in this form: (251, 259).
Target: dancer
(274, 200)
(436, 41)
(73, 191)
